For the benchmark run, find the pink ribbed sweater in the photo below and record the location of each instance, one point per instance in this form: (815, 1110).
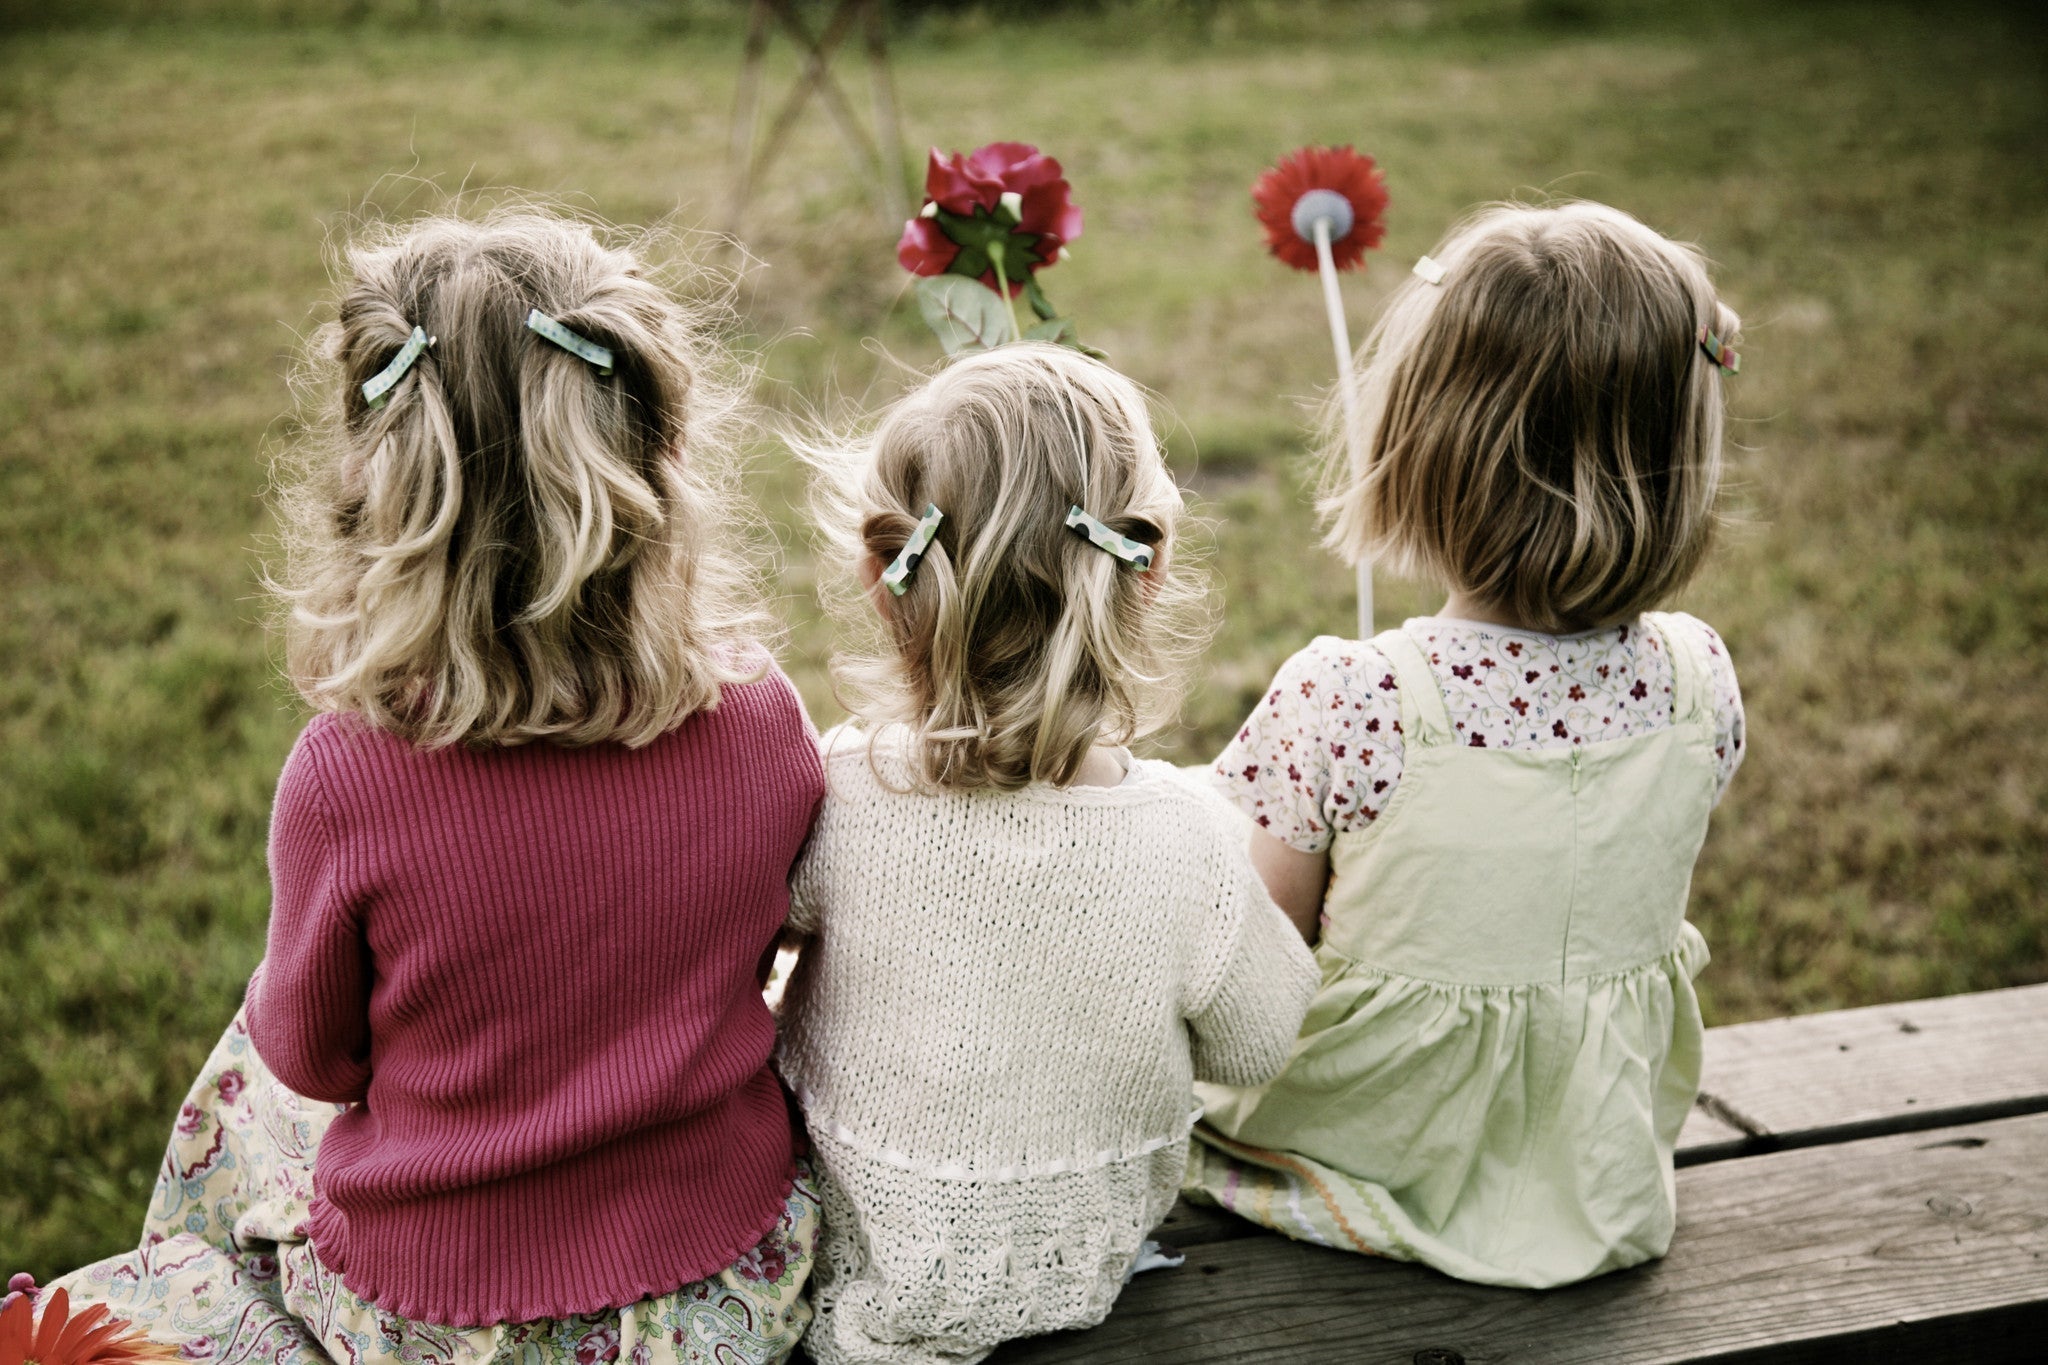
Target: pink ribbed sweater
(536, 974)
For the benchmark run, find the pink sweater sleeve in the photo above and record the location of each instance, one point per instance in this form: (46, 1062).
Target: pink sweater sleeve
(310, 1015)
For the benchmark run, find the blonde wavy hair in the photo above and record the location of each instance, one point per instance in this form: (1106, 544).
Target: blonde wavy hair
(513, 547)
(1017, 644)
(1541, 430)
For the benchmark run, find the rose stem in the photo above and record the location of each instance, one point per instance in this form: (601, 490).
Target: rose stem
(1003, 288)
(1340, 338)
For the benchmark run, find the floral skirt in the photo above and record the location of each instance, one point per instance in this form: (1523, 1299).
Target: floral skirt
(226, 1274)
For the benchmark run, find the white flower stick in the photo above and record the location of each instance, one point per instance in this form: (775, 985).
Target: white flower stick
(1340, 339)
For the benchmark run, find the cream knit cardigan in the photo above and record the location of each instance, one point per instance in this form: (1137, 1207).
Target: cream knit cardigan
(994, 1035)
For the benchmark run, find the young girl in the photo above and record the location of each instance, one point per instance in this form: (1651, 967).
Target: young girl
(1028, 942)
(528, 858)
(1493, 812)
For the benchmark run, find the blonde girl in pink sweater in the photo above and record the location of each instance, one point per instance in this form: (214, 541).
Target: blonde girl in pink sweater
(501, 1086)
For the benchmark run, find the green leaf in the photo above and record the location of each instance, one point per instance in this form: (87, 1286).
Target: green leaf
(1040, 304)
(1060, 331)
(965, 313)
(983, 236)
(972, 262)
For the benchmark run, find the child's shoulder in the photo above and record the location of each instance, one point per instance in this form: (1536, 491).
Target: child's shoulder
(1188, 799)
(848, 745)
(1689, 631)
(335, 741)
(1333, 678)
(1699, 632)
(763, 688)
(865, 765)
(1331, 661)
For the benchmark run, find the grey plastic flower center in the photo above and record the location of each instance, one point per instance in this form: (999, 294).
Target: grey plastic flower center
(1322, 204)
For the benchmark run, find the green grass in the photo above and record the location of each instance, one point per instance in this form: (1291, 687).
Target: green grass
(1868, 178)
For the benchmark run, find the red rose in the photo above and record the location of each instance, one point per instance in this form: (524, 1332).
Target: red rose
(974, 188)
(925, 249)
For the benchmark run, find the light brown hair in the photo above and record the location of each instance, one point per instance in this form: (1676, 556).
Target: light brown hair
(513, 547)
(1541, 430)
(1017, 643)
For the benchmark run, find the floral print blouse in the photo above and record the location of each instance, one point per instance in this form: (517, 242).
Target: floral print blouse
(1321, 753)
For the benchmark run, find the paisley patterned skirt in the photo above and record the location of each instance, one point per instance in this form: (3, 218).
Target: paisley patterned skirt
(226, 1274)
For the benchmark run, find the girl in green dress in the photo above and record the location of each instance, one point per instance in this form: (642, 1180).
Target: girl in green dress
(1486, 820)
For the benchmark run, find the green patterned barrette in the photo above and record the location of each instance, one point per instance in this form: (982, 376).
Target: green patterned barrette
(582, 347)
(896, 578)
(376, 390)
(1102, 538)
(1721, 355)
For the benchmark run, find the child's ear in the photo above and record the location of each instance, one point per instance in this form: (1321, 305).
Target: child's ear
(1154, 578)
(870, 569)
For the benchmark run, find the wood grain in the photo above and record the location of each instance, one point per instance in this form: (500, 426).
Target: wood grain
(1929, 1246)
(1821, 1078)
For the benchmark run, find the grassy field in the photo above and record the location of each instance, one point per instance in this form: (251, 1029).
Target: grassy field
(1868, 177)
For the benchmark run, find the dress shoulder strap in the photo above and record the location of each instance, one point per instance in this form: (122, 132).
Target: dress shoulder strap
(1424, 719)
(1692, 691)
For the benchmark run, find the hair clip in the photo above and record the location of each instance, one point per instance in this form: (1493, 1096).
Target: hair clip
(1729, 362)
(582, 347)
(1429, 270)
(896, 578)
(378, 388)
(1102, 538)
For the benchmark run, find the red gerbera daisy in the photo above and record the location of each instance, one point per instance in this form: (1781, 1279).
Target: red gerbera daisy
(1339, 170)
(94, 1337)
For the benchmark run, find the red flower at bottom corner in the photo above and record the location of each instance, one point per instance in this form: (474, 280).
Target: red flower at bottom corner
(92, 1337)
(1342, 169)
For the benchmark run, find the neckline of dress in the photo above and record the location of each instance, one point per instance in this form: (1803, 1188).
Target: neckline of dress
(1496, 628)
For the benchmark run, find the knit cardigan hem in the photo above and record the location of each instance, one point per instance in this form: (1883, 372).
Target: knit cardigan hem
(319, 1225)
(816, 1119)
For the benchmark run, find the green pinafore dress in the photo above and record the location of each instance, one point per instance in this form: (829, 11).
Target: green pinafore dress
(1506, 1041)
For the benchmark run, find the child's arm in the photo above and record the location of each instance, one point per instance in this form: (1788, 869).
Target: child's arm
(1244, 1031)
(1294, 879)
(1319, 754)
(1730, 729)
(310, 1014)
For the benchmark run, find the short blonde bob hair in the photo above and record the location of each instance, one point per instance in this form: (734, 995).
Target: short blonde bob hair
(1017, 643)
(1541, 430)
(513, 547)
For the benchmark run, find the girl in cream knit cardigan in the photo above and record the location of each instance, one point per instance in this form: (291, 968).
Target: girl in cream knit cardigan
(1027, 944)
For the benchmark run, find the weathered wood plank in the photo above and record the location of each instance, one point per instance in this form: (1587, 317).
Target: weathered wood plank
(1707, 1138)
(1929, 1246)
(1820, 1078)
(1191, 1225)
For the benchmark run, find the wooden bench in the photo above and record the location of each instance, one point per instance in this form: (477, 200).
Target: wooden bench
(1867, 1185)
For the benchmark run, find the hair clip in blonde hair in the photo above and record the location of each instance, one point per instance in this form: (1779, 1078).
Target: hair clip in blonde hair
(1102, 538)
(378, 388)
(1721, 355)
(896, 578)
(581, 347)
(1429, 270)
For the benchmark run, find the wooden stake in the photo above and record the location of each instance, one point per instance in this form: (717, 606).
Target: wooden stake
(888, 129)
(750, 163)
